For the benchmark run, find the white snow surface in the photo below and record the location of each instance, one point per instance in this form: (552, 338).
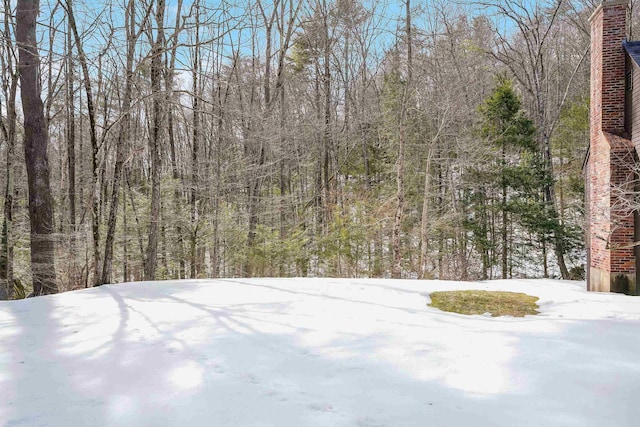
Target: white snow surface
(317, 352)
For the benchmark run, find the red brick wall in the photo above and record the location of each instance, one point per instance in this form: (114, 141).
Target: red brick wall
(598, 174)
(610, 169)
(622, 222)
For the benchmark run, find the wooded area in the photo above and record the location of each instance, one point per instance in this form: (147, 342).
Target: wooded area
(167, 139)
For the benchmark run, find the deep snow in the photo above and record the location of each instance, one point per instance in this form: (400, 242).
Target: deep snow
(317, 352)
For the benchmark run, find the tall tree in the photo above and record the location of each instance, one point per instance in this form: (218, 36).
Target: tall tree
(171, 130)
(133, 32)
(529, 58)
(36, 140)
(8, 127)
(195, 142)
(155, 141)
(71, 152)
(93, 134)
(400, 162)
(507, 128)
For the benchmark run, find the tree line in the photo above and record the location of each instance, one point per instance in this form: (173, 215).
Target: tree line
(170, 139)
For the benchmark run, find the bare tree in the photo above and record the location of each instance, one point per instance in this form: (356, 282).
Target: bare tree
(35, 145)
(400, 163)
(8, 127)
(133, 32)
(86, 79)
(195, 142)
(155, 141)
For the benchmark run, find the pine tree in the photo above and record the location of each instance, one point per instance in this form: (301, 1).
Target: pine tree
(514, 180)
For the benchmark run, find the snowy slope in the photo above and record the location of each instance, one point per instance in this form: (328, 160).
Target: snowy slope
(316, 352)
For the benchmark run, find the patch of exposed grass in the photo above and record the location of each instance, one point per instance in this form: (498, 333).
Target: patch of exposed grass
(480, 302)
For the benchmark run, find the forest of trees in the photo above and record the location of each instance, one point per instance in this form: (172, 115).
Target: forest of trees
(169, 139)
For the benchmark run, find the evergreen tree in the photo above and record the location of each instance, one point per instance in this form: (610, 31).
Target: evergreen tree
(510, 184)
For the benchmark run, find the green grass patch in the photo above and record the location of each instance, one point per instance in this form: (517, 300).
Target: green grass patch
(480, 302)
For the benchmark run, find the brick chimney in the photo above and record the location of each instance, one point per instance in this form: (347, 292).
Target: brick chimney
(610, 166)
(608, 31)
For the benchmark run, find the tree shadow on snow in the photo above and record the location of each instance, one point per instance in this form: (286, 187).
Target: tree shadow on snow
(169, 354)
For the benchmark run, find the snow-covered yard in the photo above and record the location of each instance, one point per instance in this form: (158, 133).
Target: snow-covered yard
(317, 352)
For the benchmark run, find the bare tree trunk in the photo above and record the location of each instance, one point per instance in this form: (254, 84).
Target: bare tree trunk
(215, 255)
(424, 225)
(177, 195)
(6, 238)
(8, 128)
(549, 198)
(125, 242)
(132, 37)
(503, 209)
(71, 160)
(409, 41)
(35, 146)
(255, 182)
(328, 183)
(154, 144)
(86, 78)
(195, 146)
(172, 140)
(396, 270)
